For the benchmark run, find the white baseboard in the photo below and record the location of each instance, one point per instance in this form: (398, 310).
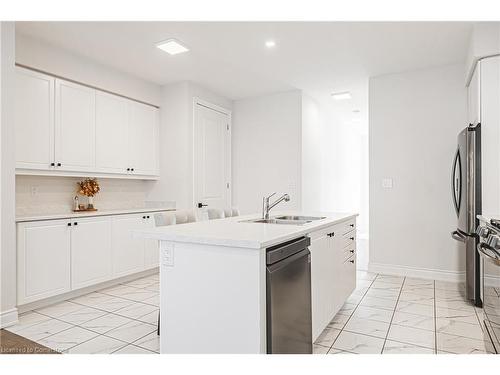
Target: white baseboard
(8, 318)
(423, 273)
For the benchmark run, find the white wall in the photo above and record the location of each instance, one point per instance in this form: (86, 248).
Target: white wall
(8, 312)
(414, 121)
(484, 41)
(266, 142)
(40, 55)
(176, 142)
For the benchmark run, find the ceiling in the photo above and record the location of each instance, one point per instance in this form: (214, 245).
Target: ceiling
(230, 58)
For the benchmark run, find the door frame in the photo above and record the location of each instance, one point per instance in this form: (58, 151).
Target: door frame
(225, 111)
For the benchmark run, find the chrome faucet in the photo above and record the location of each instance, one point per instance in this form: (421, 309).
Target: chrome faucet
(266, 206)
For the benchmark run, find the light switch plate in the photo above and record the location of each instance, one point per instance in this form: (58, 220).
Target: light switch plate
(167, 256)
(387, 183)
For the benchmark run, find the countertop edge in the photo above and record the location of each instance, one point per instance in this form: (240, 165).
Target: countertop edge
(73, 215)
(237, 243)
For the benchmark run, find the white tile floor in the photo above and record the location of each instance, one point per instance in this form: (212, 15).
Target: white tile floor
(390, 315)
(121, 319)
(386, 314)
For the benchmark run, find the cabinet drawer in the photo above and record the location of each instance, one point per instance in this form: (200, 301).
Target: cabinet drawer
(348, 239)
(348, 252)
(328, 231)
(349, 276)
(348, 225)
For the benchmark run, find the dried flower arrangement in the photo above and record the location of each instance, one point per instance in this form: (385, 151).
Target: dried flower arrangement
(89, 187)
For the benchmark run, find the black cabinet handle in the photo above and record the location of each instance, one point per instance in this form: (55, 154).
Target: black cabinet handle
(58, 164)
(331, 234)
(352, 251)
(351, 261)
(351, 225)
(69, 224)
(52, 164)
(200, 205)
(132, 169)
(75, 223)
(147, 217)
(352, 238)
(128, 169)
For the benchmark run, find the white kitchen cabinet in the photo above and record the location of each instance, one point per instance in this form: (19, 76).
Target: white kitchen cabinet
(69, 129)
(112, 133)
(34, 119)
(74, 127)
(151, 247)
(91, 257)
(128, 252)
(143, 139)
(43, 263)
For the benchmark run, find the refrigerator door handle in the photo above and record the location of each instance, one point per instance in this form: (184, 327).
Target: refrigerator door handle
(457, 236)
(456, 182)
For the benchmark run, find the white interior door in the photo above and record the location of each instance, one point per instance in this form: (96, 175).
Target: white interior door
(212, 157)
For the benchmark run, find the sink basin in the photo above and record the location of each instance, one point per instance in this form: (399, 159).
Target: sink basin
(277, 221)
(300, 218)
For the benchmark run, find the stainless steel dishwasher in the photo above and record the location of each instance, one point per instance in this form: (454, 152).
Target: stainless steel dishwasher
(289, 326)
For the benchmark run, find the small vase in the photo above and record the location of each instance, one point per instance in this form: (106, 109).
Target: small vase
(90, 205)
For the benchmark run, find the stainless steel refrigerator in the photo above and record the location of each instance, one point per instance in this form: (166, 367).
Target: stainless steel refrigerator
(466, 195)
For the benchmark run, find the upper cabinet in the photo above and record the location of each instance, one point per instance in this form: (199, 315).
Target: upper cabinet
(63, 128)
(34, 116)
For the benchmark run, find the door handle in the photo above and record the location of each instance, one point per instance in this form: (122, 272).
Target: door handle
(457, 236)
(200, 205)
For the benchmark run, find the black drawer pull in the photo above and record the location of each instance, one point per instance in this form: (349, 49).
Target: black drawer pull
(69, 224)
(331, 234)
(75, 223)
(352, 261)
(351, 225)
(52, 164)
(128, 169)
(59, 164)
(352, 251)
(352, 238)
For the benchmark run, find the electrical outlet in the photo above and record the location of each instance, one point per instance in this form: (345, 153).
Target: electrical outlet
(387, 183)
(34, 190)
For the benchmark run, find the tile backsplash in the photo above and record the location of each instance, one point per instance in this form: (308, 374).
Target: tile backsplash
(41, 195)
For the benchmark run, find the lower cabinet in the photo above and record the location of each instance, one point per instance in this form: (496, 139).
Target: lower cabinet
(333, 274)
(57, 256)
(43, 260)
(91, 258)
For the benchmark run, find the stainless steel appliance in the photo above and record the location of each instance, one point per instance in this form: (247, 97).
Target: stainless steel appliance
(489, 249)
(288, 288)
(466, 195)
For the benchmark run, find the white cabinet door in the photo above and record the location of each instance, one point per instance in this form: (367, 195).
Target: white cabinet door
(112, 117)
(34, 119)
(151, 247)
(75, 127)
(90, 251)
(128, 252)
(43, 264)
(143, 139)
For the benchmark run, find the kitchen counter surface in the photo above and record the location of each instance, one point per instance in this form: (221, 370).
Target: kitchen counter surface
(72, 215)
(232, 232)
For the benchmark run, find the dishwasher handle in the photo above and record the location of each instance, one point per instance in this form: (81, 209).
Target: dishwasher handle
(282, 251)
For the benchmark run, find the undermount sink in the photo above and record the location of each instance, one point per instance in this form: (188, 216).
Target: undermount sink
(300, 218)
(277, 221)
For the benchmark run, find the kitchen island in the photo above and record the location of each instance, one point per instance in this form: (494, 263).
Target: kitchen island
(213, 279)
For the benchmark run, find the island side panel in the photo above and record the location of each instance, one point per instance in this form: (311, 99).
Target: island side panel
(212, 299)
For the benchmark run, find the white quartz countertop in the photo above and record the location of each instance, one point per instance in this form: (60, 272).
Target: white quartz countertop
(72, 215)
(232, 232)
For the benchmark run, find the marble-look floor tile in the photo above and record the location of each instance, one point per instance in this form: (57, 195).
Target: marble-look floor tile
(106, 323)
(347, 309)
(339, 321)
(459, 345)
(338, 351)
(67, 339)
(367, 327)
(465, 316)
(102, 301)
(448, 285)
(354, 298)
(27, 320)
(413, 320)
(128, 292)
(380, 315)
(151, 318)
(383, 293)
(394, 347)
(131, 349)
(415, 308)
(136, 310)
(378, 303)
(83, 315)
(454, 303)
(363, 283)
(412, 281)
(421, 290)
(153, 288)
(141, 283)
(43, 329)
(131, 331)
(327, 337)
(60, 309)
(150, 342)
(416, 298)
(356, 343)
(390, 279)
(98, 345)
(386, 286)
(457, 328)
(318, 349)
(365, 275)
(445, 293)
(409, 335)
(155, 300)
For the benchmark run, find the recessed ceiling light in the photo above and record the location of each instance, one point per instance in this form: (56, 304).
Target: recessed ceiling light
(341, 95)
(172, 46)
(270, 43)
